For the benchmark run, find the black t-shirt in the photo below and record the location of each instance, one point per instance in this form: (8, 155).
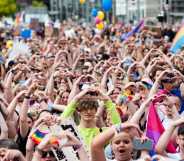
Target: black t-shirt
(22, 141)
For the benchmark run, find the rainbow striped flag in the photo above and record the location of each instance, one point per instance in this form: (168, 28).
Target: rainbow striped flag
(38, 136)
(178, 42)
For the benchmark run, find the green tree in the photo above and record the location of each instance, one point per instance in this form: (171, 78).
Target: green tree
(7, 7)
(38, 3)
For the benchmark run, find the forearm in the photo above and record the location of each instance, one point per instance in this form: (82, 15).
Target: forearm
(50, 86)
(137, 115)
(164, 140)
(4, 127)
(111, 109)
(29, 150)
(72, 95)
(103, 138)
(23, 119)
(8, 80)
(58, 107)
(7, 88)
(69, 83)
(103, 83)
(70, 109)
(182, 89)
(24, 110)
(75, 63)
(154, 89)
(97, 146)
(11, 107)
(17, 76)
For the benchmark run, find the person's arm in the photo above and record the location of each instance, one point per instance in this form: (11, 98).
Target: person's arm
(4, 128)
(58, 107)
(70, 109)
(111, 110)
(50, 87)
(110, 107)
(98, 143)
(155, 86)
(3, 108)
(144, 60)
(3, 72)
(76, 62)
(13, 155)
(11, 116)
(8, 95)
(69, 82)
(165, 137)
(182, 89)
(18, 75)
(12, 105)
(75, 89)
(104, 80)
(24, 128)
(137, 115)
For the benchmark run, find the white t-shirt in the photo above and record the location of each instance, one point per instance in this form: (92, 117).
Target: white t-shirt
(175, 156)
(130, 160)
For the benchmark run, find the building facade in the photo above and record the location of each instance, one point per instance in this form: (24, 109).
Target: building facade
(63, 9)
(175, 10)
(134, 10)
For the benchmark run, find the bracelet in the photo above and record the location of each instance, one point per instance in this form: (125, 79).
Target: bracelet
(77, 147)
(13, 71)
(27, 97)
(118, 128)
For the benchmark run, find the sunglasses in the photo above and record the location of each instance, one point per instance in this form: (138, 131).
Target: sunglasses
(47, 154)
(32, 102)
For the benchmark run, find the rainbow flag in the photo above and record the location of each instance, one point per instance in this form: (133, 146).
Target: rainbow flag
(126, 96)
(155, 128)
(178, 42)
(38, 136)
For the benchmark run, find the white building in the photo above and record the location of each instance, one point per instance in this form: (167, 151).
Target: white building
(135, 10)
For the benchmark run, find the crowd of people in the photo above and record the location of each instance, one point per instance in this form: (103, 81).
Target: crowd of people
(123, 98)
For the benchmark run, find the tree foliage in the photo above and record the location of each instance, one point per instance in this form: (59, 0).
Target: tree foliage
(7, 7)
(38, 3)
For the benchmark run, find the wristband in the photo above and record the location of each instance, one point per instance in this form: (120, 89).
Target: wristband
(118, 128)
(27, 97)
(13, 71)
(77, 147)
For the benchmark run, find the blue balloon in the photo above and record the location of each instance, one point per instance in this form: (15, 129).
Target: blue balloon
(107, 5)
(94, 12)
